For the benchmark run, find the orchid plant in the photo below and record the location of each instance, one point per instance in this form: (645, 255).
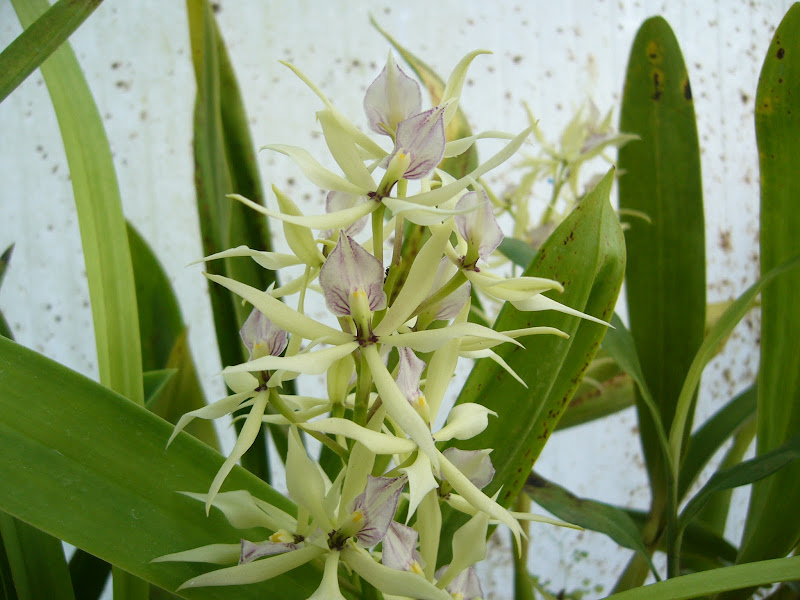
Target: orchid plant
(390, 309)
(392, 489)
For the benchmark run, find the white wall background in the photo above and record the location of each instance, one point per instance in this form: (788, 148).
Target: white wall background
(553, 55)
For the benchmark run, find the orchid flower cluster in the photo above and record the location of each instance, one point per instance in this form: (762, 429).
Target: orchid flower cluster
(380, 517)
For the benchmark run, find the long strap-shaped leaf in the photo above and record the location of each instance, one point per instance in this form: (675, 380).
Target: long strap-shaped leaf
(40, 40)
(71, 468)
(665, 274)
(768, 532)
(102, 226)
(587, 255)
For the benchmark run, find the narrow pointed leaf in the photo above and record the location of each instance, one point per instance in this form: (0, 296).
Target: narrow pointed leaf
(39, 40)
(587, 256)
(89, 575)
(69, 464)
(665, 274)
(589, 514)
(605, 390)
(767, 532)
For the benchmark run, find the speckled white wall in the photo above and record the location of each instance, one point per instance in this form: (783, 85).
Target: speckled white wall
(552, 55)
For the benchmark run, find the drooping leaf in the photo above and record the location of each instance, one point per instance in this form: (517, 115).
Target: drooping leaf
(589, 514)
(665, 274)
(744, 473)
(777, 114)
(39, 40)
(69, 464)
(587, 255)
(154, 383)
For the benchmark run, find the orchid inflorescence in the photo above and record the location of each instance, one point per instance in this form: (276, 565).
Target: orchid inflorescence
(390, 308)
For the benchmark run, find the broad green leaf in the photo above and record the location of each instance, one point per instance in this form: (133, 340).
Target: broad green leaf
(697, 585)
(665, 274)
(458, 128)
(589, 514)
(39, 40)
(89, 575)
(70, 464)
(777, 114)
(36, 561)
(587, 255)
(605, 390)
(710, 437)
(225, 163)
(744, 473)
(103, 233)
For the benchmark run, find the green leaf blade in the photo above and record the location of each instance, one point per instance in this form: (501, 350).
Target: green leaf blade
(665, 274)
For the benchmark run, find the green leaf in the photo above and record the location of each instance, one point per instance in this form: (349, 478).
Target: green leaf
(589, 514)
(102, 226)
(36, 560)
(742, 474)
(160, 320)
(5, 259)
(697, 585)
(39, 40)
(665, 274)
(225, 163)
(777, 114)
(709, 438)
(69, 464)
(587, 255)
(458, 128)
(89, 575)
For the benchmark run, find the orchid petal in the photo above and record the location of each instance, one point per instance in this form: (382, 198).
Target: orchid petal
(261, 336)
(391, 581)
(250, 551)
(465, 421)
(478, 227)
(452, 90)
(245, 511)
(336, 220)
(282, 315)
(253, 572)
(269, 260)
(316, 173)
(398, 407)
(215, 410)
(399, 549)
(344, 151)
(247, 436)
(311, 363)
(478, 345)
(423, 276)
(393, 97)
(241, 382)
(459, 146)
(430, 340)
(376, 505)
(379, 443)
(216, 554)
(420, 482)
(512, 289)
(422, 138)
(350, 269)
(338, 201)
(475, 464)
(417, 214)
(539, 302)
(477, 498)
